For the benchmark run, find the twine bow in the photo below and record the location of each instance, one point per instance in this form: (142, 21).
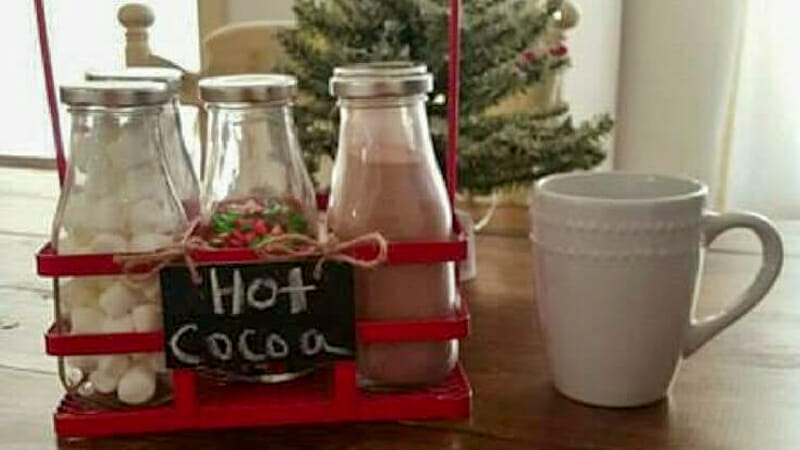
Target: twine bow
(286, 247)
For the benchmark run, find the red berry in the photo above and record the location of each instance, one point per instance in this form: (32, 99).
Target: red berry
(237, 234)
(559, 50)
(529, 55)
(249, 237)
(260, 228)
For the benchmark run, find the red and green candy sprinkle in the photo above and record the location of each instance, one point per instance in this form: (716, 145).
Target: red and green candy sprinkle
(251, 223)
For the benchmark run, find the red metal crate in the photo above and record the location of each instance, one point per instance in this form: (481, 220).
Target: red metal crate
(329, 395)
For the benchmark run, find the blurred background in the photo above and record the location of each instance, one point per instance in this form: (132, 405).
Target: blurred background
(705, 89)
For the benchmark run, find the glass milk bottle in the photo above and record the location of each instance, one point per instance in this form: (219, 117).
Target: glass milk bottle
(385, 179)
(256, 186)
(179, 163)
(255, 166)
(117, 198)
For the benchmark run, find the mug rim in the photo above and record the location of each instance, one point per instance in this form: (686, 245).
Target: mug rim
(695, 188)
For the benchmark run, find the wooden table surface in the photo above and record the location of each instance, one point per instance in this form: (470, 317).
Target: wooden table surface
(742, 391)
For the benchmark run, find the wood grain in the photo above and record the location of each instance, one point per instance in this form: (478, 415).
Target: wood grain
(742, 391)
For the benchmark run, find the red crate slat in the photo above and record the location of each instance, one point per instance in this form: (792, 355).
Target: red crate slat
(58, 344)
(49, 264)
(311, 399)
(439, 329)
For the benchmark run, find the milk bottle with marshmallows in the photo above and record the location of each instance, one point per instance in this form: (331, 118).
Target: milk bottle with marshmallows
(117, 198)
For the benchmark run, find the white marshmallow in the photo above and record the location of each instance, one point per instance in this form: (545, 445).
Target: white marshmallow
(117, 300)
(109, 243)
(106, 214)
(85, 320)
(140, 358)
(152, 216)
(101, 179)
(110, 369)
(153, 294)
(71, 246)
(101, 283)
(150, 289)
(145, 181)
(91, 140)
(77, 292)
(158, 362)
(103, 382)
(147, 318)
(76, 214)
(137, 386)
(86, 363)
(149, 242)
(114, 365)
(132, 147)
(122, 324)
(155, 361)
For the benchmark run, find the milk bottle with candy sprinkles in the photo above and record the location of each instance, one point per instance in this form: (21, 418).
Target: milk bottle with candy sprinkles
(254, 158)
(117, 198)
(385, 179)
(256, 187)
(180, 168)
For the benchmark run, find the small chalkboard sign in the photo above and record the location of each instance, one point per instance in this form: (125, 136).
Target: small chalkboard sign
(245, 319)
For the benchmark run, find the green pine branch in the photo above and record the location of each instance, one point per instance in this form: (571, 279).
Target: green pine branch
(496, 150)
(526, 148)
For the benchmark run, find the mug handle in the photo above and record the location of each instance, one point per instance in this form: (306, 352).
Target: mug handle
(713, 225)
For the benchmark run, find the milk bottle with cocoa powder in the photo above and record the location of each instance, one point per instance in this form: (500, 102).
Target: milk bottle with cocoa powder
(385, 179)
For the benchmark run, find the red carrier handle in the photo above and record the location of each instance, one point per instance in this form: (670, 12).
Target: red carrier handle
(453, 92)
(52, 99)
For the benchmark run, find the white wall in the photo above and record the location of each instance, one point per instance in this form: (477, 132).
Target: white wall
(247, 10)
(24, 123)
(82, 35)
(591, 84)
(90, 36)
(677, 70)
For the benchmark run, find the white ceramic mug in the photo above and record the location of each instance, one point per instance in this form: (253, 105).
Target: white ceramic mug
(617, 257)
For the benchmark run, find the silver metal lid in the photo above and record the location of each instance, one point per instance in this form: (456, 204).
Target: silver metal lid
(115, 93)
(250, 88)
(172, 77)
(381, 79)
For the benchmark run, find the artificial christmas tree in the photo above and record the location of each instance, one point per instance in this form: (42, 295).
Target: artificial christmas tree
(507, 52)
